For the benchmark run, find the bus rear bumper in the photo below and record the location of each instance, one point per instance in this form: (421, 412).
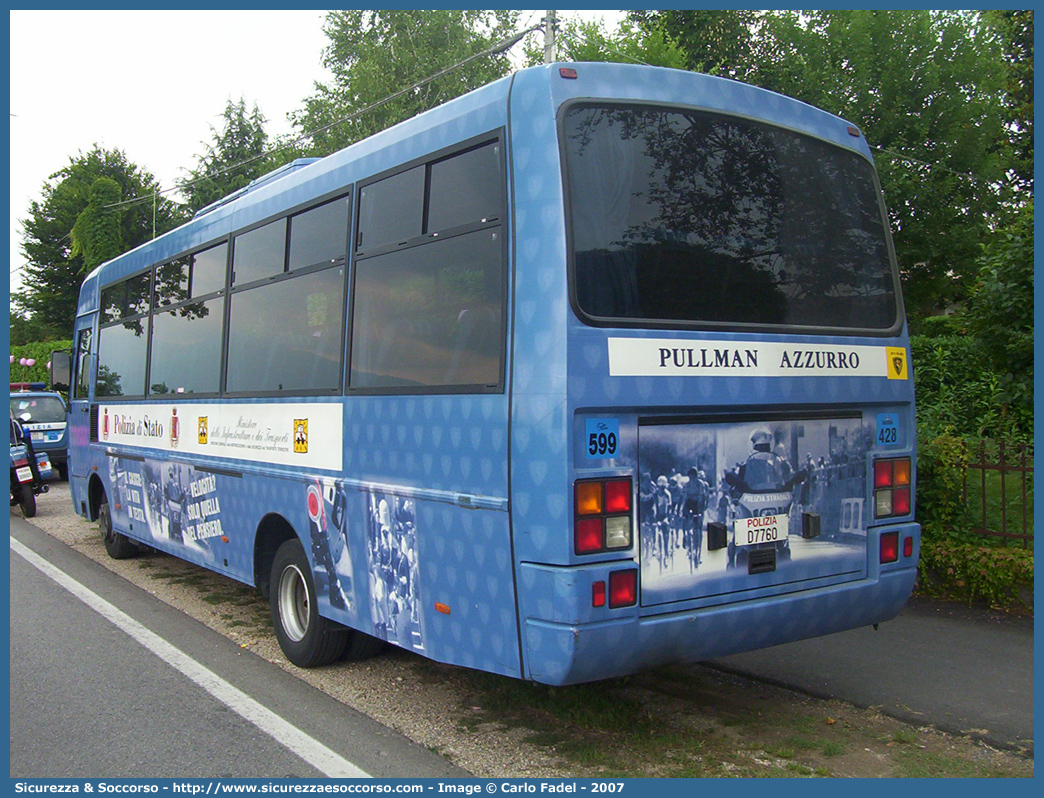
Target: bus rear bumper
(559, 653)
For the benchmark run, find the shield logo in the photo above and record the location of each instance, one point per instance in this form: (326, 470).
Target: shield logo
(896, 362)
(301, 435)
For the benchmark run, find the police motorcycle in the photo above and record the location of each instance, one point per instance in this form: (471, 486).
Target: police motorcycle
(28, 470)
(763, 494)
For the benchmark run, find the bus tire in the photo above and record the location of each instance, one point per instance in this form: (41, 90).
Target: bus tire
(118, 546)
(307, 639)
(362, 646)
(27, 501)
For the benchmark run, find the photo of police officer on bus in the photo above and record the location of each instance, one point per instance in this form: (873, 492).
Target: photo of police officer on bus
(701, 481)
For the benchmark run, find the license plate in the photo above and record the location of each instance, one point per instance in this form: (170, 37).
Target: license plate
(766, 529)
(25, 474)
(39, 436)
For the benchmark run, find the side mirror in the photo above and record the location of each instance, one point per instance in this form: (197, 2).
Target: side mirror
(61, 371)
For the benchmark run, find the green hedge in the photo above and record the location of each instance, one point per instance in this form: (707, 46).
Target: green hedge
(1000, 577)
(41, 353)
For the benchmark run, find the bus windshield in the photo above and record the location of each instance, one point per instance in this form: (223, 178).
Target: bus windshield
(697, 218)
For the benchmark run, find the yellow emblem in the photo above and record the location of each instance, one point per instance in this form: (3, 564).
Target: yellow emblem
(897, 369)
(202, 430)
(301, 435)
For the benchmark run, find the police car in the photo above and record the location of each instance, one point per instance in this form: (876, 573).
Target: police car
(43, 414)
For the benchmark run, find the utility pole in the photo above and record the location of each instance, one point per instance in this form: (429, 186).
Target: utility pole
(550, 23)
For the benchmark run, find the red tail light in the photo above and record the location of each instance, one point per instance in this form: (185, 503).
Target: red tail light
(901, 501)
(882, 473)
(598, 594)
(623, 588)
(892, 483)
(602, 515)
(618, 496)
(889, 547)
(590, 536)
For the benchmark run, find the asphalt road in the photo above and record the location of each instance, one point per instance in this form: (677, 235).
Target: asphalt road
(94, 696)
(958, 668)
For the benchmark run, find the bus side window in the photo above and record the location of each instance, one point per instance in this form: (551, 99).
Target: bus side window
(431, 315)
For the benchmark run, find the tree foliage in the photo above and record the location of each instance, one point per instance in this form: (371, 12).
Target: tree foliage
(97, 235)
(1000, 311)
(236, 156)
(53, 273)
(375, 54)
(1015, 29)
(714, 42)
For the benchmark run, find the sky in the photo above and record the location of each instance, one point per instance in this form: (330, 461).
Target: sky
(172, 72)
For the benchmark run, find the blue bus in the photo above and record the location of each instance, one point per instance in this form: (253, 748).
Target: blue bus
(595, 368)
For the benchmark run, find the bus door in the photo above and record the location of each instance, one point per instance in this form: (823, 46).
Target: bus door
(83, 356)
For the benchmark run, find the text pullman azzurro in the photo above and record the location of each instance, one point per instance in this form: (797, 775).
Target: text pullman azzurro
(688, 357)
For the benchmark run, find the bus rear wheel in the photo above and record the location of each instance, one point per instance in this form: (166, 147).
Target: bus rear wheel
(307, 639)
(118, 546)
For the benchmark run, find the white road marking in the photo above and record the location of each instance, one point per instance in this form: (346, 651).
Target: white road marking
(298, 742)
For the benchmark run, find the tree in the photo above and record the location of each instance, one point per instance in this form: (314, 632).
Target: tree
(53, 273)
(235, 158)
(1015, 29)
(97, 235)
(714, 42)
(375, 54)
(1000, 309)
(926, 88)
(26, 331)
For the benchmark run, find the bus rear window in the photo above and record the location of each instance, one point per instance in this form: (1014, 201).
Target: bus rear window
(682, 217)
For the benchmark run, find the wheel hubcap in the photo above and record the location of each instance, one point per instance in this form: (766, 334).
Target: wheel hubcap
(294, 608)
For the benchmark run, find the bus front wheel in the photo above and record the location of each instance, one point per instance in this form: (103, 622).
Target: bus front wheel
(118, 546)
(307, 639)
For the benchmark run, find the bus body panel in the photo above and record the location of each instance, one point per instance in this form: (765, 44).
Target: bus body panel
(540, 419)
(622, 642)
(384, 551)
(443, 456)
(566, 384)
